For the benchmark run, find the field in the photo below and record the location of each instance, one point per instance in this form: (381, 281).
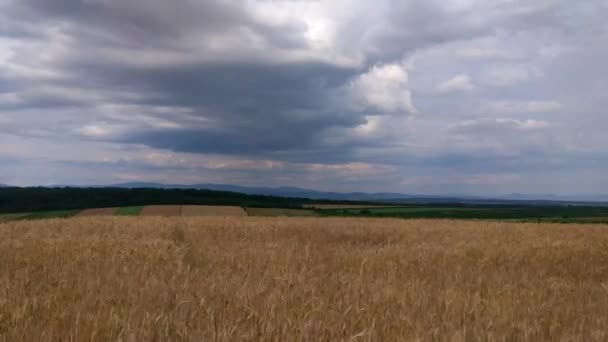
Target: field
(162, 210)
(98, 212)
(554, 213)
(53, 202)
(209, 210)
(11, 217)
(567, 214)
(277, 212)
(341, 206)
(129, 211)
(49, 214)
(290, 279)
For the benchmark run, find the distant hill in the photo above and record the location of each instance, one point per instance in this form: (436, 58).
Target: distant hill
(267, 191)
(370, 197)
(385, 197)
(552, 197)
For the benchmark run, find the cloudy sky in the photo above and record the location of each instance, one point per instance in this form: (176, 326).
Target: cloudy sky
(421, 96)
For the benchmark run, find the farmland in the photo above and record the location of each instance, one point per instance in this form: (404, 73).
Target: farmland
(129, 211)
(98, 212)
(11, 217)
(342, 206)
(40, 215)
(278, 212)
(490, 212)
(150, 211)
(17, 200)
(233, 278)
(162, 210)
(209, 210)
(549, 214)
(40, 203)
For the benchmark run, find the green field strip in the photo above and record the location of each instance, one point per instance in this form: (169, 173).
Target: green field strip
(11, 217)
(531, 213)
(415, 210)
(129, 211)
(50, 215)
(279, 212)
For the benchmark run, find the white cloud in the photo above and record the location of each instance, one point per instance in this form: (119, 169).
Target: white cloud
(501, 124)
(520, 107)
(370, 127)
(510, 75)
(384, 88)
(94, 131)
(528, 124)
(458, 83)
(494, 47)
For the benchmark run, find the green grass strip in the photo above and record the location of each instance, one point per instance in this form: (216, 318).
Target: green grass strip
(41, 215)
(128, 211)
(278, 212)
(11, 217)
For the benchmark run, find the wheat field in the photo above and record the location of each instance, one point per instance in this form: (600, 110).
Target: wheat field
(301, 279)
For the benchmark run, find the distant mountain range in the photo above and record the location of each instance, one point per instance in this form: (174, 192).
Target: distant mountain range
(360, 196)
(368, 197)
(552, 197)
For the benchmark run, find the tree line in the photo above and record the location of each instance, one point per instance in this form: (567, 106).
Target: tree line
(14, 200)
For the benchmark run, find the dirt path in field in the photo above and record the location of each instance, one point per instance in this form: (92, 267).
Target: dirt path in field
(209, 210)
(98, 212)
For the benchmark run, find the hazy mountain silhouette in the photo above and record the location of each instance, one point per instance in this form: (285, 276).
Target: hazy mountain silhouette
(363, 196)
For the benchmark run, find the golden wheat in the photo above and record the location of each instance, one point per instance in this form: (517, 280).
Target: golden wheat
(227, 279)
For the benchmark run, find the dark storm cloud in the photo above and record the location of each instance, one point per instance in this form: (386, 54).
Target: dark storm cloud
(254, 106)
(247, 108)
(234, 86)
(141, 22)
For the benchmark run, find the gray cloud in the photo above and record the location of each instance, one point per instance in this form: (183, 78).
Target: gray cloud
(404, 88)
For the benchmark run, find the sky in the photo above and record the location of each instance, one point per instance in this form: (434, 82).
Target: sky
(478, 97)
